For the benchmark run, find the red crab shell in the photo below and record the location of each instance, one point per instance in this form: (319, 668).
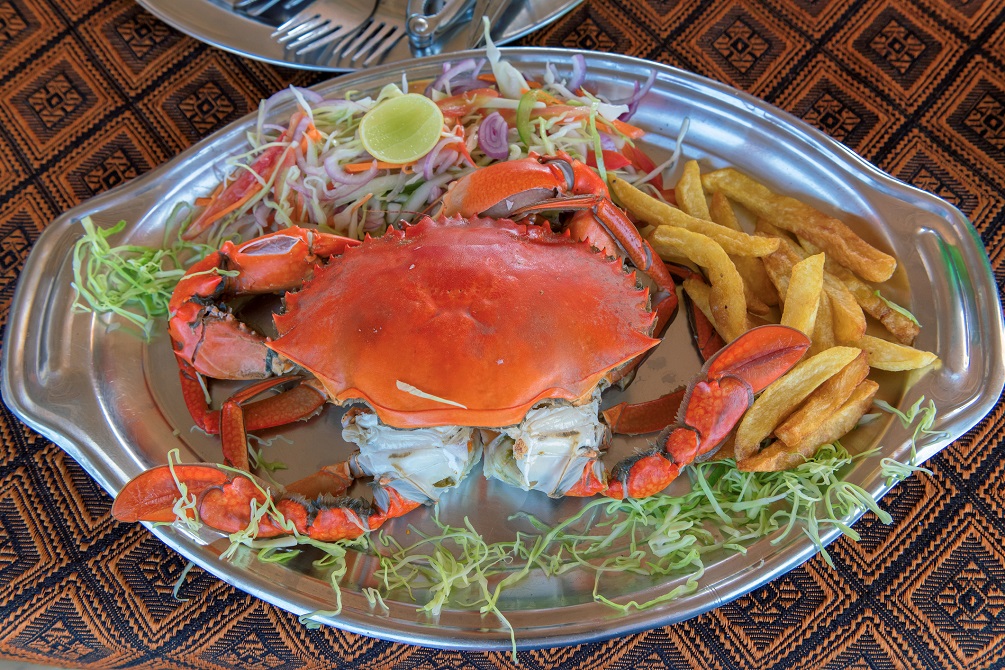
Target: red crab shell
(490, 315)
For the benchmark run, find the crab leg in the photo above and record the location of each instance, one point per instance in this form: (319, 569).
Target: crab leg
(301, 402)
(223, 501)
(711, 407)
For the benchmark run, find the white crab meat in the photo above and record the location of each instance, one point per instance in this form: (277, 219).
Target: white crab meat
(419, 463)
(550, 448)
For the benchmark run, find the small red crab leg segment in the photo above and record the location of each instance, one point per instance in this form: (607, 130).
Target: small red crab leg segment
(651, 416)
(300, 402)
(329, 479)
(620, 226)
(205, 333)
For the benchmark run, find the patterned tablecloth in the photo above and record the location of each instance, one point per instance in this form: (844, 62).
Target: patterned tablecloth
(94, 93)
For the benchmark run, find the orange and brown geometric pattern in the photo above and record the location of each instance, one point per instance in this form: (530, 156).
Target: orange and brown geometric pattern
(94, 93)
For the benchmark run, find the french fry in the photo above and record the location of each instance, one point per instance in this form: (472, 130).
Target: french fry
(728, 305)
(899, 325)
(885, 355)
(690, 196)
(803, 297)
(832, 236)
(823, 328)
(781, 456)
(774, 457)
(849, 320)
(778, 265)
(658, 213)
(785, 394)
(758, 289)
(698, 291)
(823, 402)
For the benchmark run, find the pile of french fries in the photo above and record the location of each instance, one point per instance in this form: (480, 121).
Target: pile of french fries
(800, 268)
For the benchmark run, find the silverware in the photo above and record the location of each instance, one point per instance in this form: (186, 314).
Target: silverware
(374, 40)
(428, 19)
(259, 7)
(322, 23)
(484, 9)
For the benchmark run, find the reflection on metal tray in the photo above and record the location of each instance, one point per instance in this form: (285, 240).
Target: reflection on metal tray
(114, 403)
(215, 22)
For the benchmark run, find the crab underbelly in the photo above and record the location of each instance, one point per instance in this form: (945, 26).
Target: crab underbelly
(548, 451)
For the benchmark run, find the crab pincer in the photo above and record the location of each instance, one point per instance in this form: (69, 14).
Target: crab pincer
(711, 406)
(222, 499)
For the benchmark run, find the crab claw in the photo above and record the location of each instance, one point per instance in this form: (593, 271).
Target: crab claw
(223, 501)
(151, 495)
(759, 356)
(711, 407)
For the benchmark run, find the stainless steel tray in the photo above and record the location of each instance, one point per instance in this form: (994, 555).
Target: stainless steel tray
(113, 402)
(215, 22)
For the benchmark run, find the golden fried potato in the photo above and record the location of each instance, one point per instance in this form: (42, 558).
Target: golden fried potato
(658, 213)
(835, 238)
(728, 305)
(823, 402)
(698, 291)
(785, 394)
(690, 196)
(781, 456)
(899, 325)
(884, 355)
(757, 288)
(823, 328)
(849, 319)
(778, 265)
(802, 299)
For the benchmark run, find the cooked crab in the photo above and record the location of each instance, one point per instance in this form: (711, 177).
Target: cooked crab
(448, 337)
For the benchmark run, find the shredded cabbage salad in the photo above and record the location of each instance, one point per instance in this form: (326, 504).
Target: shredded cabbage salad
(311, 169)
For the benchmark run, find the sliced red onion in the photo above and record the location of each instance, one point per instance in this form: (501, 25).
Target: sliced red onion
(312, 97)
(300, 128)
(493, 136)
(607, 142)
(431, 163)
(446, 82)
(275, 99)
(636, 97)
(578, 72)
(262, 212)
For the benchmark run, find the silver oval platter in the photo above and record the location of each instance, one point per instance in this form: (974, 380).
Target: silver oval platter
(114, 404)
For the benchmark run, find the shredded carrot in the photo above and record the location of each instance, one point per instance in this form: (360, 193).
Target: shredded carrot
(381, 165)
(459, 131)
(491, 78)
(627, 129)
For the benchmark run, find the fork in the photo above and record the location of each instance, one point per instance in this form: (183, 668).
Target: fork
(376, 38)
(323, 22)
(259, 7)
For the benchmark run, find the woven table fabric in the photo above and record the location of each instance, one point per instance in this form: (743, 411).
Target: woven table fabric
(94, 93)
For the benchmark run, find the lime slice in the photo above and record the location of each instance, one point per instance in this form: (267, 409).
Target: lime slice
(402, 129)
